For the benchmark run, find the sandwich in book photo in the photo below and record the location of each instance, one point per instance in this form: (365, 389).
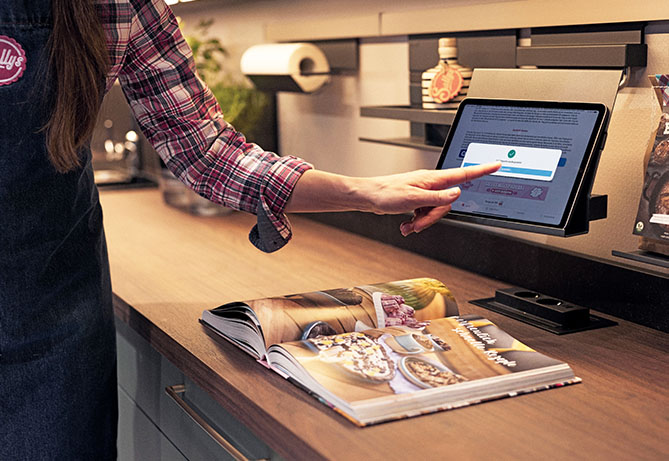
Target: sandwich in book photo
(385, 351)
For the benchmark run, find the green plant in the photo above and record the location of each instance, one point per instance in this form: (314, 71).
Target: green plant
(242, 105)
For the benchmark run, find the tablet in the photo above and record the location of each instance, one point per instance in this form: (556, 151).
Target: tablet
(548, 152)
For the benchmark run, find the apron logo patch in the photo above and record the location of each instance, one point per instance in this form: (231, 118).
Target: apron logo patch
(12, 60)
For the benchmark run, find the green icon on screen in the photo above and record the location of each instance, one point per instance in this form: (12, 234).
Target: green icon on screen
(511, 153)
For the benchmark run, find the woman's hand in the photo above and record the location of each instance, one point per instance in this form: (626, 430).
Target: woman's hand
(427, 193)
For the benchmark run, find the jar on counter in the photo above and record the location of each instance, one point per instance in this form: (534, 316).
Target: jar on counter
(445, 85)
(178, 195)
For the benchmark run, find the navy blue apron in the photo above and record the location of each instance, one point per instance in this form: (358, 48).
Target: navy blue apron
(57, 349)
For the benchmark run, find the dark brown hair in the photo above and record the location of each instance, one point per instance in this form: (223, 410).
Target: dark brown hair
(78, 63)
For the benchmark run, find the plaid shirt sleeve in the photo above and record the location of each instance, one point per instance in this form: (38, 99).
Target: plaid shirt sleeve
(182, 120)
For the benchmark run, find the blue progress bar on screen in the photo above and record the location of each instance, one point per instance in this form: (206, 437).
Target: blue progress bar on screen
(516, 170)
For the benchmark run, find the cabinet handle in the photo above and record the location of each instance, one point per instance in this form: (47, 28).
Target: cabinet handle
(175, 392)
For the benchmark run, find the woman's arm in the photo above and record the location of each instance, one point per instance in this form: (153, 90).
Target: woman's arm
(184, 123)
(182, 120)
(427, 193)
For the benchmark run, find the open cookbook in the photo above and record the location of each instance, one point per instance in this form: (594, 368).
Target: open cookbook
(385, 351)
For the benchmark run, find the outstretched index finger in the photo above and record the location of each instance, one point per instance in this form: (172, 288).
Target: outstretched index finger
(453, 176)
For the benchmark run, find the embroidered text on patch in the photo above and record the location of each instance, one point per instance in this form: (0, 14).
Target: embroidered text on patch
(12, 60)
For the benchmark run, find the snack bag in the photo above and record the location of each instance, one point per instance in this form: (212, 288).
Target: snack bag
(652, 221)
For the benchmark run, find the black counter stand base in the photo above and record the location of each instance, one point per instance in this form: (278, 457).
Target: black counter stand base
(545, 312)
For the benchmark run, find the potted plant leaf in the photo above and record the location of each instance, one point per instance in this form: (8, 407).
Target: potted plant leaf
(247, 109)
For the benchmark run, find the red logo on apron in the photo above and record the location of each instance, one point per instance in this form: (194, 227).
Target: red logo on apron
(12, 60)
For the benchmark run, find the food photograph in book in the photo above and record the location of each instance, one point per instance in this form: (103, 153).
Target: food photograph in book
(404, 359)
(328, 312)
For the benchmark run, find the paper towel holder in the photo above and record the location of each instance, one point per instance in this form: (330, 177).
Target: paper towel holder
(307, 66)
(341, 57)
(342, 54)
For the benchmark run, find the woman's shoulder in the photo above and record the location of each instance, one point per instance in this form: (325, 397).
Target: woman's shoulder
(118, 17)
(119, 11)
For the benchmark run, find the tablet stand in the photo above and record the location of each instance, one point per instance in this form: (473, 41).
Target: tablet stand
(574, 85)
(563, 85)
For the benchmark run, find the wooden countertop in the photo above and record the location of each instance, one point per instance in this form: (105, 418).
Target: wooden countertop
(168, 266)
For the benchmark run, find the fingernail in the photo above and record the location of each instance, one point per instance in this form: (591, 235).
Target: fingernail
(454, 191)
(405, 229)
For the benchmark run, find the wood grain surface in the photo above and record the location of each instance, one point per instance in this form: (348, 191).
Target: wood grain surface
(167, 267)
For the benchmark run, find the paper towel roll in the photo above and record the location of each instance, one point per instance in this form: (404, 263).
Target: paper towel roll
(286, 67)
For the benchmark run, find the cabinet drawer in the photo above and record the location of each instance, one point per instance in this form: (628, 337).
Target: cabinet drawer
(194, 441)
(144, 374)
(140, 372)
(139, 439)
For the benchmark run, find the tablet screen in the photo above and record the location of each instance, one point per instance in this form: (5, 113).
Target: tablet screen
(543, 146)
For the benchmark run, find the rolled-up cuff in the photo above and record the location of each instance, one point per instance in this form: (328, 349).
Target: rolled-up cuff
(272, 230)
(265, 236)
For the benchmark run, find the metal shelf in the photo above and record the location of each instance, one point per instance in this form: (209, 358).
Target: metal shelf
(414, 142)
(644, 257)
(412, 114)
(605, 55)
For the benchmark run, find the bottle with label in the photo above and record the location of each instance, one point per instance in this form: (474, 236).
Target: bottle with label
(445, 85)
(525, 40)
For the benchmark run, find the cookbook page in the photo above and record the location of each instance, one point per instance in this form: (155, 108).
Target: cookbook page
(329, 312)
(383, 363)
